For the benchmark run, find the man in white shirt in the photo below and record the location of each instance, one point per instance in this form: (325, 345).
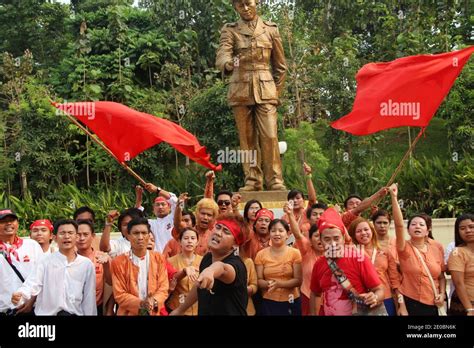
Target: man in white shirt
(64, 282)
(163, 207)
(18, 258)
(116, 247)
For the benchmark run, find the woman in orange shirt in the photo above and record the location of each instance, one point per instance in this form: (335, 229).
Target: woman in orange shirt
(250, 212)
(311, 249)
(187, 264)
(363, 234)
(461, 266)
(279, 273)
(419, 297)
(381, 220)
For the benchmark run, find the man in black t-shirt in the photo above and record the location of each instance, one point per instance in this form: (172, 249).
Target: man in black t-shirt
(221, 288)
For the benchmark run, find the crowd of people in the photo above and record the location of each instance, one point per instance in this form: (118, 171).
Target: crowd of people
(316, 259)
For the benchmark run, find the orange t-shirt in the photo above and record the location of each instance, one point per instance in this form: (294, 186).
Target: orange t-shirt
(386, 268)
(173, 247)
(309, 257)
(184, 285)
(415, 282)
(251, 281)
(279, 268)
(462, 260)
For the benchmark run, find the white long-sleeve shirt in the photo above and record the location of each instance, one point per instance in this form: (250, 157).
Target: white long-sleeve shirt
(162, 227)
(62, 286)
(29, 254)
(119, 246)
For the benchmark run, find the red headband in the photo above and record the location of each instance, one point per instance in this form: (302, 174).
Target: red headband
(162, 199)
(234, 228)
(44, 222)
(264, 212)
(331, 219)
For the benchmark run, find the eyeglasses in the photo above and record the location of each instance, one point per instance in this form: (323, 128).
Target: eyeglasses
(226, 203)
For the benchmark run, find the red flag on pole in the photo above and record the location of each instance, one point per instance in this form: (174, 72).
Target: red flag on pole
(404, 92)
(127, 132)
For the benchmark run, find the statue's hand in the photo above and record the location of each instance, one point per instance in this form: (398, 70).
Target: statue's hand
(229, 66)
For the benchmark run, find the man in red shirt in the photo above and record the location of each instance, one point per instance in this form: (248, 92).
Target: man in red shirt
(328, 295)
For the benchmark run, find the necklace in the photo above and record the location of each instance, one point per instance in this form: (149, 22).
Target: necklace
(422, 248)
(264, 244)
(188, 261)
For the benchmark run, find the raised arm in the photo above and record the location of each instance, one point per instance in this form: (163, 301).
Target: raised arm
(138, 196)
(104, 244)
(295, 229)
(366, 203)
(179, 210)
(158, 190)
(397, 218)
(209, 189)
(236, 198)
(312, 198)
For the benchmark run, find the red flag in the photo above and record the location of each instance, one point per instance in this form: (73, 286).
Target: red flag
(404, 92)
(127, 132)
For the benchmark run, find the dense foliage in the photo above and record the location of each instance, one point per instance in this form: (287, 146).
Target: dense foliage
(158, 57)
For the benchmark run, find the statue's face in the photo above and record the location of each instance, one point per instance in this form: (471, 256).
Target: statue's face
(247, 9)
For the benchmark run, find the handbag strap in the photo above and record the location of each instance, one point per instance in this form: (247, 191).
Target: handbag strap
(344, 282)
(374, 255)
(17, 272)
(433, 286)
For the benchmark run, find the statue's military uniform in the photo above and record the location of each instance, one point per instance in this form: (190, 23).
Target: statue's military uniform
(259, 68)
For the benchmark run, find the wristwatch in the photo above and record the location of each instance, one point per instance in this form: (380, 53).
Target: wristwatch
(158, 189)
(155, 304)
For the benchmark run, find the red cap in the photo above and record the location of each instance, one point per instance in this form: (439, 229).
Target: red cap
(264, 212)
(234, 228)
(161, 199)
(330, 219)
(43, 222)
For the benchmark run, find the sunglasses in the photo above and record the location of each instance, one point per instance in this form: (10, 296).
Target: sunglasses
(226, 203)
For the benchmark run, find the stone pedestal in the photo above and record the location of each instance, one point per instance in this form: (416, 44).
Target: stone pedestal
(269, 199)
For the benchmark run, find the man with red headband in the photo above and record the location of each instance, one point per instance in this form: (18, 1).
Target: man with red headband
(221, 288)
(164, 206)
(259, 238)
(42, 232)
(342, 276)
(18, 258)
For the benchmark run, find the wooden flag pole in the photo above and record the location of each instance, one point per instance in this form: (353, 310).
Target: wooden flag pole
(98, 142)
(405, 157)
(402, 162)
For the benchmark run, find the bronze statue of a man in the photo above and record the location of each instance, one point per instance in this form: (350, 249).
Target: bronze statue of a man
(251, 51)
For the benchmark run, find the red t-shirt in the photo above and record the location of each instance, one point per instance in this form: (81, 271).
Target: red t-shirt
(358, 269)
